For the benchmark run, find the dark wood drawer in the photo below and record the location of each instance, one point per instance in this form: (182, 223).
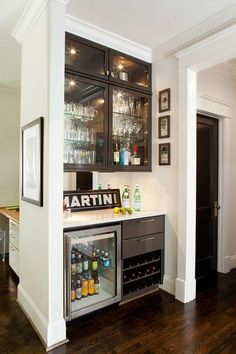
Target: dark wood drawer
(140, 245)
(142, 227)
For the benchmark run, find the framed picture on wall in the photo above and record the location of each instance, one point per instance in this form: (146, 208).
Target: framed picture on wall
(164, 154)
(164, 127)
(32, 162)
(164, 100)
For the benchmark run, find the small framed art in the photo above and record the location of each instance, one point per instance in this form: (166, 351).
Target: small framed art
(164, 127)
(32, 162)
(164, 100)
(164, 154)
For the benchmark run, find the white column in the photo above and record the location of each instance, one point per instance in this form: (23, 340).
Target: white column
(41, 31)
(185, 282)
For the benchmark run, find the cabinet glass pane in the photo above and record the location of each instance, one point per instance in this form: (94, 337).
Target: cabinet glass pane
(93, 270)
(83, 122)
(129, 128)
(129, 71)
(82, 57)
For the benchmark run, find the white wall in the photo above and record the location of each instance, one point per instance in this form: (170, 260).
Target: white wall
(221, 88)
(9, 146)
(159, 187)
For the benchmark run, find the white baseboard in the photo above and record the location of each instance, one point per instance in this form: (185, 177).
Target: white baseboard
(49, 333)
(233, 262)
(227, 264)
(185, 291)
(168, 285)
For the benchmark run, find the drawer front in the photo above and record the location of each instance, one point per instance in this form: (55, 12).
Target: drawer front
(143, 227)
(14, 258)
(142, 245)
(14, 228)
(14, 239)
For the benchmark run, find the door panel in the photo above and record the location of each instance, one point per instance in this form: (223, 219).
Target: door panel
(207, 193)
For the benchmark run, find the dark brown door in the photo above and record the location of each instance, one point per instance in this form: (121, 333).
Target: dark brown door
(207, 195)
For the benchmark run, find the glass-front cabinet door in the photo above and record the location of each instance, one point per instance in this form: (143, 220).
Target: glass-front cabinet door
(85, 57)
(130, 71)
(130, 130)
(85, 124)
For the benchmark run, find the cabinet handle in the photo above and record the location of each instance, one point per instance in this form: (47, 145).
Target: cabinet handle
(142, 221)
(146, 239)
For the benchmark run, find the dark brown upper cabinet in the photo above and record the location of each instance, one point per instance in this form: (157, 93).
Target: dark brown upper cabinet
(86, 57)
(85, 124)
(126, 70)
(107, 111)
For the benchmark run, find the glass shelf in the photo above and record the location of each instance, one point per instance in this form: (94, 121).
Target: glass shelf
(126, 116)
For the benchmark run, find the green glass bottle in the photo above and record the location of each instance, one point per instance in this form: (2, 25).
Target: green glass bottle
(137, 199)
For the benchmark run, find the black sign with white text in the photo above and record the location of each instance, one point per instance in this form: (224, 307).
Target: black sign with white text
(92, 199)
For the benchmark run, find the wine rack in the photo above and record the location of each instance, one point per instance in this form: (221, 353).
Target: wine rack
(141, 274)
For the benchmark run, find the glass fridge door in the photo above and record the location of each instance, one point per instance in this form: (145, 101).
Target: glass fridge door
(93, 269)
(131, 129)
(84, 123)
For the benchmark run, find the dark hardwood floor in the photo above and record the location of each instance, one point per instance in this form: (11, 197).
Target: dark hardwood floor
(153, 324)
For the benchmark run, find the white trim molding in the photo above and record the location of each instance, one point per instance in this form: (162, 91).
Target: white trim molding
(168, 285)
(233, 262)
(99, 35)
(30, 15)
(196, 33)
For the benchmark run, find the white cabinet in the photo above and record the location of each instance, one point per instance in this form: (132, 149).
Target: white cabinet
(14, 246)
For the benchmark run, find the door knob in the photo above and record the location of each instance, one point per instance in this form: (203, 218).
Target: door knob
(216, 208)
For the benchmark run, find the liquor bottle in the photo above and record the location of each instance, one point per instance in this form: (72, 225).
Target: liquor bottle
(136, 199)
(85, 267)
(73, 262)
(125, 155)
(78, 289)
(125, 197)
(94, 260)
(106, 260)
(135, 160)
(96, 285)
(116, 153)
(79, 264)
(84, 289)
(73, 291)
(91, 288)
(99, 185)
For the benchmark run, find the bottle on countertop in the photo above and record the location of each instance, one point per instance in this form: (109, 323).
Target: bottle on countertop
(99, 185)
(137, 199)
(125, 197)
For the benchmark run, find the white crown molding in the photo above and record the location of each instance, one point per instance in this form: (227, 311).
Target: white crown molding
(199, 32)
(29, 16)
(210, 39)
(8, 90)
(87, 30)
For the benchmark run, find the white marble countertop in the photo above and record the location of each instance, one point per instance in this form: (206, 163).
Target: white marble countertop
(85, 218)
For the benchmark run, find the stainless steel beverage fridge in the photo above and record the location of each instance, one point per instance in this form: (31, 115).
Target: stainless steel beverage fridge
(92, 269)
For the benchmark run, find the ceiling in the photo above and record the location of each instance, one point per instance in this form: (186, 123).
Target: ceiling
(150, 23)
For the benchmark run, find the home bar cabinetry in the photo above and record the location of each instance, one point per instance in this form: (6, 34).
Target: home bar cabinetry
(107, 109)
(122, 255)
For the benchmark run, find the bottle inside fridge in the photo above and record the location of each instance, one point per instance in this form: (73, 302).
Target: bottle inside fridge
(92, 269)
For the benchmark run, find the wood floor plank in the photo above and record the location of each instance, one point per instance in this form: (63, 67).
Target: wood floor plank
(155, 324)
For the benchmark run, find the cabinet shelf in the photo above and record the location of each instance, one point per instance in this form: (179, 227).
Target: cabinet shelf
(140, 278)
(142, 264)
(82, 118)
(126, 116)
